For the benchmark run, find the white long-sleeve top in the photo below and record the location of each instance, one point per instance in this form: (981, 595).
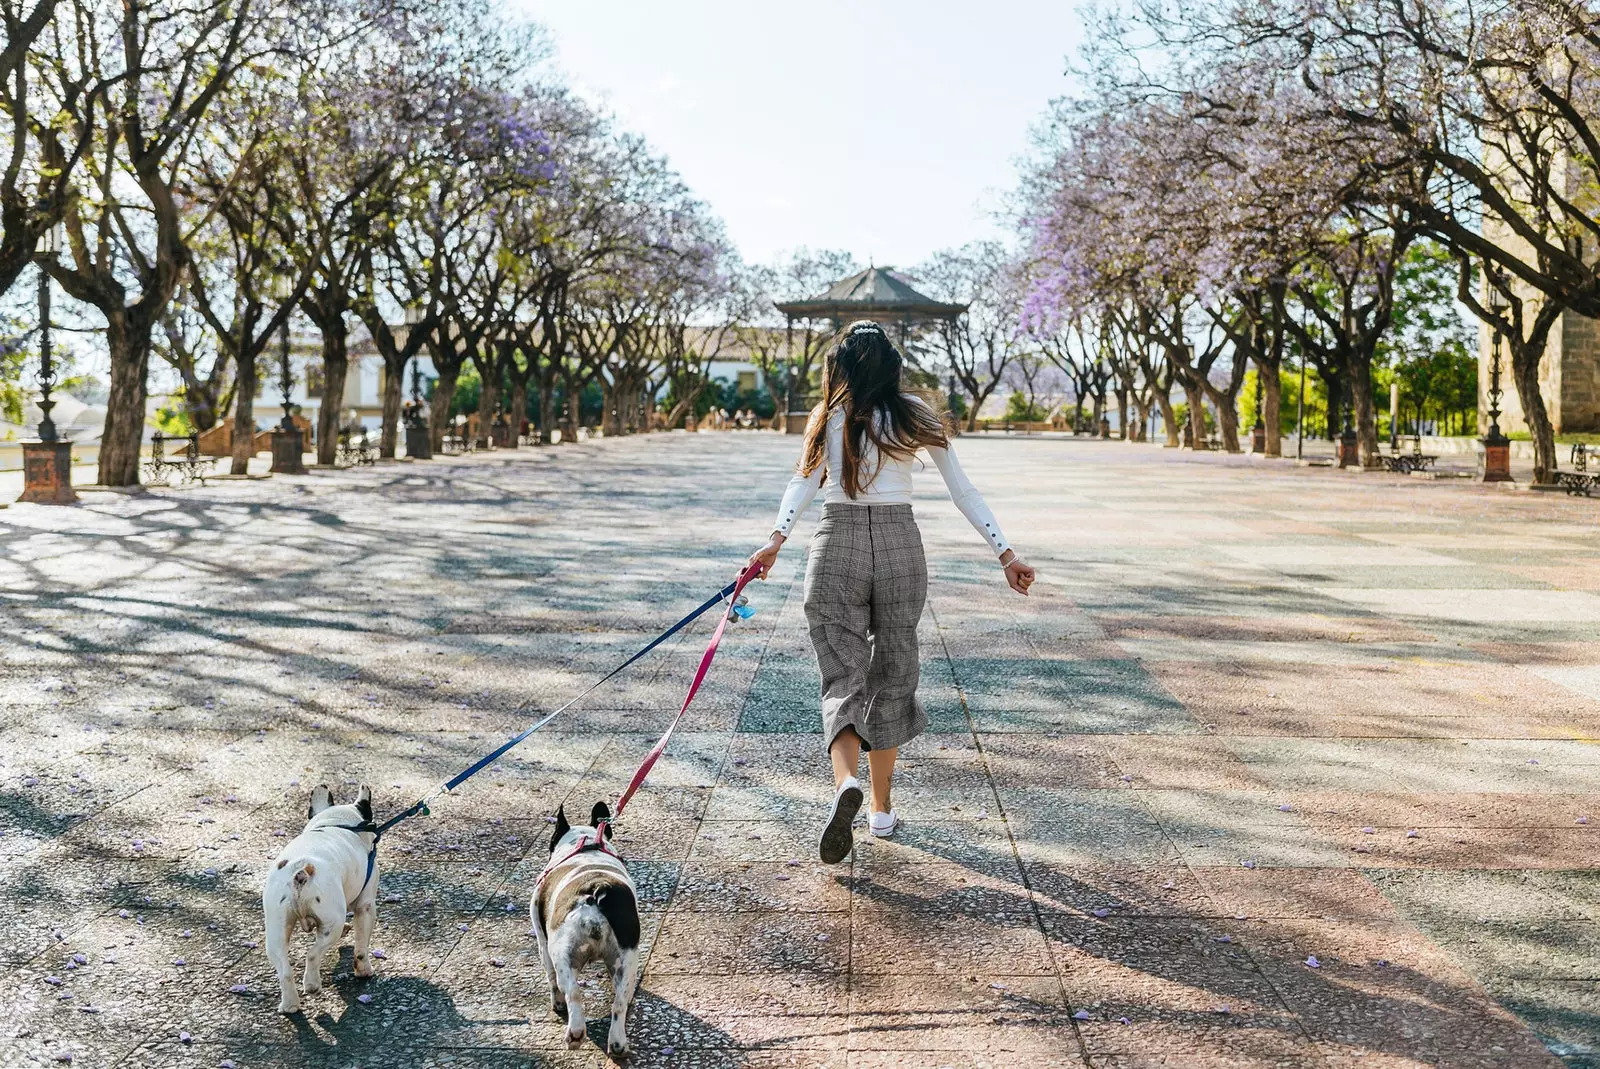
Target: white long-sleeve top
(886, 481)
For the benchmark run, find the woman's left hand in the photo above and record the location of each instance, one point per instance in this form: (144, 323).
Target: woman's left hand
(1018, 575)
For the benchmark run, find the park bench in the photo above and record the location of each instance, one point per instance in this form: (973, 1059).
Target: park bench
(357, 449)
(1580, 480)
(1406, 463)
(1008, 426)
(187, 464)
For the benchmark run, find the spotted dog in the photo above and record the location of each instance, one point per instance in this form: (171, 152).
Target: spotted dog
(585, 909)
(328, 870)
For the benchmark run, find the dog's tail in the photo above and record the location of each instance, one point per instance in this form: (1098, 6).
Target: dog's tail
(303, 872)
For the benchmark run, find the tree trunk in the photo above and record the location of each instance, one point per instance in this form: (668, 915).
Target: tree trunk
(124, 426)
(519, 408)
(444, 394)
(547, 405)
(610, 418)
(569, 432)
(1228, 425)
(1197, 415)
(335, 368)
(1169, 420)
(1122, 414)
(488, 397)
(1525, 372)
(1361, 401)
(244, 413)
(1272, 406)
(394, 382)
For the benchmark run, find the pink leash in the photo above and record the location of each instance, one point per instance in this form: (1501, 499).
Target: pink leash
(750, 572)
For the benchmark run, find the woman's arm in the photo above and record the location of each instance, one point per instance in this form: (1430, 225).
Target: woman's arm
(968, 500)
(798, 494)
(1018, 575)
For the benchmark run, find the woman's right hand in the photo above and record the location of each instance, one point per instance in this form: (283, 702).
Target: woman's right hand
(767, 555)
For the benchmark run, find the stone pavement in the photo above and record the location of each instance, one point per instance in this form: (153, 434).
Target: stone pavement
(1277, 767)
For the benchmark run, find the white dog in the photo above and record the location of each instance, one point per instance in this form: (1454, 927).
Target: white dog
(585, 909)
(329, 870)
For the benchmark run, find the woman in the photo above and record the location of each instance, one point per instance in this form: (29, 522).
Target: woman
(866, 580)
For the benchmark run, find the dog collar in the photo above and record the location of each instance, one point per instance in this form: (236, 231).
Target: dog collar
(585, 845)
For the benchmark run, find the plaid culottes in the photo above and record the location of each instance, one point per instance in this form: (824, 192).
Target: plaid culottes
(866, 583)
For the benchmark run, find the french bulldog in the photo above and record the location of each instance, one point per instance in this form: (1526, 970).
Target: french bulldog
(327, 871)
(585, 908)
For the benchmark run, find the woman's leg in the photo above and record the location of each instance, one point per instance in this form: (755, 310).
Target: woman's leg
(846, 755)
(881, 762)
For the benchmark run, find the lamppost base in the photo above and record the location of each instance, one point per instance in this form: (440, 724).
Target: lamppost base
(286, 455)
(1496, 459)
(47, 473)
(419, 445)
(1349, 450)
(1258, 438)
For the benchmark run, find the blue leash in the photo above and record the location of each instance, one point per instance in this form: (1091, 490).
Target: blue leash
(421, 806)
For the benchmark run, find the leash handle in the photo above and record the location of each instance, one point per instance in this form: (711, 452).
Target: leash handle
(749, 572)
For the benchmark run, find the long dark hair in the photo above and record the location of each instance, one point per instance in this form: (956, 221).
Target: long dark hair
(861, 377)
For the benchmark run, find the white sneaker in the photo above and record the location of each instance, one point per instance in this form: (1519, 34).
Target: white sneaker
(883, 825)
(837, 838)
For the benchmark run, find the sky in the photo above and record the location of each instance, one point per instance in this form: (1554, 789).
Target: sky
(890, 129)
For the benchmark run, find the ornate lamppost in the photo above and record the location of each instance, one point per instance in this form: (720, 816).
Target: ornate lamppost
(419, 439)
(47, 462)
(287, 447)
(1496, 446)
(1258, 431)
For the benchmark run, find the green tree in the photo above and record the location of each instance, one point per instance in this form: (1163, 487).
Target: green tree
(1431, 349)
(12, 358)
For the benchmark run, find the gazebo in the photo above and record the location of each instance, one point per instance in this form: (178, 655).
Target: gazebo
(877, 294)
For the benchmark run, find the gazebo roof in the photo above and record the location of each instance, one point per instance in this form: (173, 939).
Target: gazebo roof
(876, 293)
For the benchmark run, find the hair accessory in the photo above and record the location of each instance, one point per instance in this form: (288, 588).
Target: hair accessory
(867, 328)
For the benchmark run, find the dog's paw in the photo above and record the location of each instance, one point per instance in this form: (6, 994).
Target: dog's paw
(617, 1046)
(311, 987)
(289, 1006)
(559, 1009)
(574, 1038)
(364, 967)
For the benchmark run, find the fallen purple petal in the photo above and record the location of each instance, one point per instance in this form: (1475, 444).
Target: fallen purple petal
(363, 998)
(1312, 962)
(1081, 1015)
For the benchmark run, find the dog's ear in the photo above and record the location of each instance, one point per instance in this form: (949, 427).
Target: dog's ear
(562, 827)
(321, 798)
(364, 803)
(600, 812)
